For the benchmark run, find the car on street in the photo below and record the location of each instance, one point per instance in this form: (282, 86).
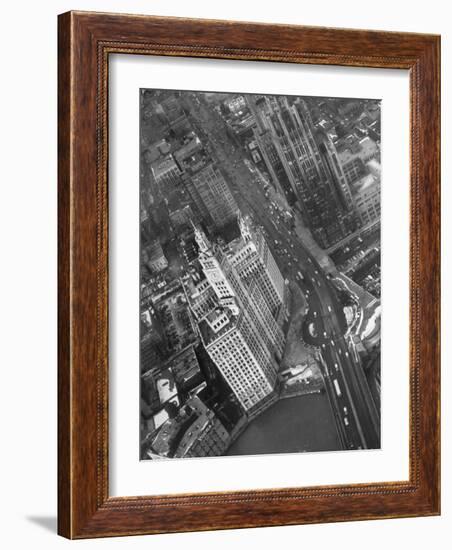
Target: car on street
(337, 388)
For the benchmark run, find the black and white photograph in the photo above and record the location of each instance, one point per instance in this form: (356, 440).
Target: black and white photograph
(225, 262)
(259, 274)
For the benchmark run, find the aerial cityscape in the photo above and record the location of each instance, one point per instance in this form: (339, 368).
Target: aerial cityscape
(259, 274)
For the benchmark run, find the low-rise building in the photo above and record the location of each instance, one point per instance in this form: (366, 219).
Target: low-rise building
(166, 172)
(185, 368)
(355, 154)
(173, 312)
(153, 257)
(206, 436)
(181, 216)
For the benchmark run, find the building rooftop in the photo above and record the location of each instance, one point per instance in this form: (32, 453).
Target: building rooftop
(154, 251)
(191, 143)
(166, 386)
(203, 421)
(235, 246)
(157, 149)
(217, 324)
(168, 431)
(184, 365)
(194, 163)
(192, 434)
(178, 434)
(364, 149)
(162, 166)
(365, 183)
(374, 167)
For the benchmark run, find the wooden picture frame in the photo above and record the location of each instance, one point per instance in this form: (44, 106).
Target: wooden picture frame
(85, 42)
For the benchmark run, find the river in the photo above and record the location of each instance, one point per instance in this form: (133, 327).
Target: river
(303, 423)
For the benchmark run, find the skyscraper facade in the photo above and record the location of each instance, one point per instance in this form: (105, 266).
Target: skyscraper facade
(237, 328)
(240, 355)
(212, 195)
(296, 153)
(231, 291)
(166, 173)
(253, 260)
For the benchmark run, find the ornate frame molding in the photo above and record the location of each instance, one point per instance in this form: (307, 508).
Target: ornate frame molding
(85, 42)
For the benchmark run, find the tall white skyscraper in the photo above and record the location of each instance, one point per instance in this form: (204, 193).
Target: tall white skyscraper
(240, 355)
(254, 262)
(237, 328)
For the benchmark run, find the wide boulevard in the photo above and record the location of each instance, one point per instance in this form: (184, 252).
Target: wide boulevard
(325, 328)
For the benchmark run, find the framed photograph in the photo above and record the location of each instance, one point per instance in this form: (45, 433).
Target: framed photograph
(249, 261)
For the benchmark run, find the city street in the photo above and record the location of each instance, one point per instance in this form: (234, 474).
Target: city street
(357, 419)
